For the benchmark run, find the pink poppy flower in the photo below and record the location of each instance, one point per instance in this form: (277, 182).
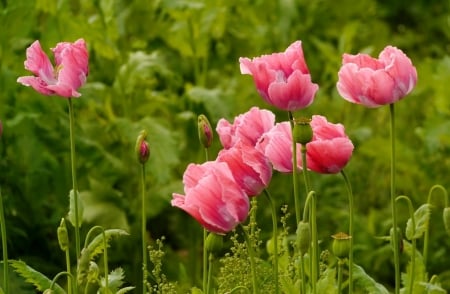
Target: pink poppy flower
(375, 82)
(247, 127)
(276, 145)
(250, 168)
(282, 79)
(330, 149)
(69, 73)
(213, 197)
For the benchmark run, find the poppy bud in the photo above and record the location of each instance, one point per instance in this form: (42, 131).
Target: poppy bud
(302, 132)
(63, 236)
(303, 237)
(214, 243)
(341, 245)
(446, 216)
(142, 148)
(205, 133)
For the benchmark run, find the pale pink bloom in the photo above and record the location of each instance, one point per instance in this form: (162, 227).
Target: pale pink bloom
(247, 127)
(282, 79)
(212, 197)
(375, 82)
(250, 168)
(330, 149)
(69, 73)
(276, 145)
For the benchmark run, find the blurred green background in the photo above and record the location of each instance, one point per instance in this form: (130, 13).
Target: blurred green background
(158, 64)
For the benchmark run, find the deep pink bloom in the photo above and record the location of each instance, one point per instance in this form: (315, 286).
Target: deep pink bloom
(213, 197)
(250, 168)
(69, 73)
(282, 79)
(276, 145)
(330, 149)
(375, 82)
(247, 127)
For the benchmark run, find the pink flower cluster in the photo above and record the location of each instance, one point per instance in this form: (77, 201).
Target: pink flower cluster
(217, 192)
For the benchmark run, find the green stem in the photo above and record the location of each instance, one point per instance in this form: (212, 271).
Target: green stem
(105, 252)
(52, 284)
(4, 246)
(340, 265)
(74, 183)
(350, 212)
(413, 241)
(251, 255)
(143, 231)
(427, 231)
(314, 245)
(294, 171)
(210, 262)
(302, 274)
(395, 240)
(275, 239)
(68, 267)
(205, 263)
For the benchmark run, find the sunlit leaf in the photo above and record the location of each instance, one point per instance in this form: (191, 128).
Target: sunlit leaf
(422, 218)
(364, 281)
(71, 214)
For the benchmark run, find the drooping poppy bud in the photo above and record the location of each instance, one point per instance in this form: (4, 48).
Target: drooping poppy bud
(214, 243)
(205, 133)
(303, 237)
(63, 236)
(341, 245)
(302, 131)
(142, 148)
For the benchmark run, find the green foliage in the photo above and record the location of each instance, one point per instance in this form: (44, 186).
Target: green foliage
(32, 276)
(421, 218)
(366, 283)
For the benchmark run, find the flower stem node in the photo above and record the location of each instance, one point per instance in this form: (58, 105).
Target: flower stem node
(399, 238)
(446, 216)
(214, 243)
(205, 133)
(142, 148)
(63, 236)
(302, 131)
(303, 237)
(341, 245)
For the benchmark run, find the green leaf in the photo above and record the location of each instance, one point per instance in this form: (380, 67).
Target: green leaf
(327, 282)
(422, 218)
(32, 276)
(96, 247)
(71, 214)
(125, 290)
(115, 280)
(363, 280)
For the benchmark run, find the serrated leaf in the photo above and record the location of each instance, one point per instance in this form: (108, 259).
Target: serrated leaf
(420, 274)
(363, 280)
(327, 282)
(125, 290)
(32, 276)
(71, 213)
(115, 280)
(422, 218)
(96, 247)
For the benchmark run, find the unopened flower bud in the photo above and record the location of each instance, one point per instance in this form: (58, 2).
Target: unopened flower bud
(63, 236)
(142, 148)
(205, 133)
(341, 244)
(214, 243)
(303, 237)
(399, 238)
(302, 132)
(446, 216)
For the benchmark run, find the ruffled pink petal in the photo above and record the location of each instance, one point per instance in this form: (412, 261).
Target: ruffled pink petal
(329, 156)
(39, 64)
(36, 83)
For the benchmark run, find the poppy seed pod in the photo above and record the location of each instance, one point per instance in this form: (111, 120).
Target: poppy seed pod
(302, 132)
(205, 133)
(341, 245)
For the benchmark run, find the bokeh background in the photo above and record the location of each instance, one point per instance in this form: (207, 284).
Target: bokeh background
(157, 65)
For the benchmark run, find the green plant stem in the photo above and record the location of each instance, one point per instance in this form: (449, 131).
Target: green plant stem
(68, 267)
(351, 213)
(340, 264)
(427, 231)
(395, 240)
(251, 255)
(302, 274)
(4, 246)
(314, 244)
(74, 182)
(275, 239)
(413, 241)
(105, 250)
(57, 277)
(205, 263)
(143, 231)
(210, 263)
(294, 171)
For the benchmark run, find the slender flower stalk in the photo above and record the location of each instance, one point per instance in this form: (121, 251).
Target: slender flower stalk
(395, 240)
(350, 229)
(275, 239)
(413, 241)
(52, 284)
(4, 245)
(74, 183)
(340, 269)
(143, 231)
(427, 231)
(251, 255)
(295, 172)
(63, 240)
